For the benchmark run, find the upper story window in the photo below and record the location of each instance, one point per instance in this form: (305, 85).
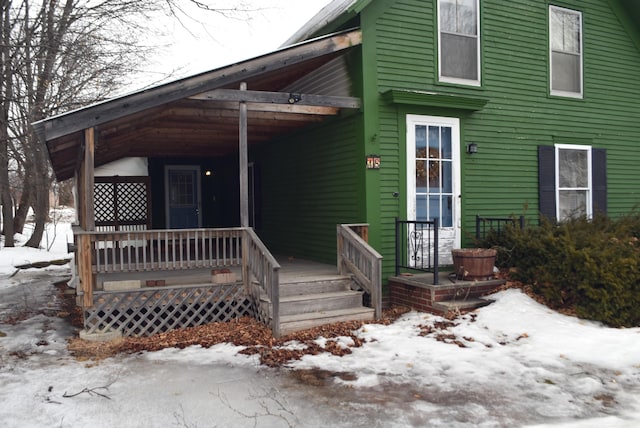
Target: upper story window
(459, 41)
(565, 46)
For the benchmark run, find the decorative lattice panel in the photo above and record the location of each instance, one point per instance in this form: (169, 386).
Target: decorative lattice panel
(103, 200)
(145, 312)
(122, 201)
(132, 201)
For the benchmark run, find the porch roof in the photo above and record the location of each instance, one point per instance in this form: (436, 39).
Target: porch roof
(199, 115)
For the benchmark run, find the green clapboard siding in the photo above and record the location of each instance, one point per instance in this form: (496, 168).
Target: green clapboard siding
(310, 183)
(501, 179)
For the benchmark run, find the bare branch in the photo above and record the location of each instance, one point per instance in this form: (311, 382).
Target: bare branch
(90, 391)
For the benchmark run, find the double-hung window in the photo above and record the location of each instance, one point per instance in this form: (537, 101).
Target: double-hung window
(565, 51)
(573, 181)
(459, 41)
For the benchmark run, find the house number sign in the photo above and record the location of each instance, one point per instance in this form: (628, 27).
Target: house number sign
(373, 162)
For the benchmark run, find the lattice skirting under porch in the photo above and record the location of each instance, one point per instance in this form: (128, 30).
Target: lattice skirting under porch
(143, 312)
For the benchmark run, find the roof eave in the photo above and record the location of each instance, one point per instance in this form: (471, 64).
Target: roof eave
(329, 18)
(96, 114)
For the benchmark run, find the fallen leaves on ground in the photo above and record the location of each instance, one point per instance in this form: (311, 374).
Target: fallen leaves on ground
(245, 331)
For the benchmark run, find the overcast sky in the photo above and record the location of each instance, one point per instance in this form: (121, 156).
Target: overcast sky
(216, 40)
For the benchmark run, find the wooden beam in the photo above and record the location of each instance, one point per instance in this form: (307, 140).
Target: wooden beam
(286, 98)
(219, 108)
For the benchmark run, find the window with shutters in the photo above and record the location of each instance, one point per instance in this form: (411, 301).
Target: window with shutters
(565, 51)
(459, 41)
(572, 181)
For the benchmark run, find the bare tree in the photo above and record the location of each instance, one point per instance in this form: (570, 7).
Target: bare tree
(58, 55)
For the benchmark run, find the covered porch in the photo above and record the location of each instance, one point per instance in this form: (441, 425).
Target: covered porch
(138, 270)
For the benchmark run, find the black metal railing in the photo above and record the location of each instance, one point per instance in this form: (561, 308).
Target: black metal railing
(485, 225)
(417, 246)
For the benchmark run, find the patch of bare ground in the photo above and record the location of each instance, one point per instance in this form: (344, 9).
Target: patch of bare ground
(244, 331)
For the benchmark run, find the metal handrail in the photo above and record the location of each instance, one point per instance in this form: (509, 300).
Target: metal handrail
(500, 223)
(417, 246)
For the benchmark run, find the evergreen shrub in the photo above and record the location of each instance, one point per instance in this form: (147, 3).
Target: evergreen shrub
(591, 266)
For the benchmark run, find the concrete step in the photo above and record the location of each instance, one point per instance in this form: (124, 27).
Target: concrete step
(465, 305)
(333, 284)
(307, 303)
(293, 323)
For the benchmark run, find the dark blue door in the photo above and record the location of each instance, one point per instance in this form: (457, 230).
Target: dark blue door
(183, 201)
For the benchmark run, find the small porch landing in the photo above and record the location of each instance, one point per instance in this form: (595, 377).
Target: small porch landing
(449, 296)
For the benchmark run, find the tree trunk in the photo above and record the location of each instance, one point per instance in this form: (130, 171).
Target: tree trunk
(23, 207)
(5, 100)
(41, 200)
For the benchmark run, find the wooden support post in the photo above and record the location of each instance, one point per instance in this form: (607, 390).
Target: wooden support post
(86, 217)
(84, 270)
(244, 163)
(89, 149)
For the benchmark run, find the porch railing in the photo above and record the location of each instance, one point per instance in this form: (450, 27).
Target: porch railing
(171, 249)
(178, 249)
(497, 224)
(262, 266)
(417, 246)
(358, 258)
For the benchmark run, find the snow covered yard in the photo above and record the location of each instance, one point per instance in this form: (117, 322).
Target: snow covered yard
(513, 363)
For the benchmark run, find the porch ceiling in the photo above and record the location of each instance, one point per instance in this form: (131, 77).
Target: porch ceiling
(199, 116)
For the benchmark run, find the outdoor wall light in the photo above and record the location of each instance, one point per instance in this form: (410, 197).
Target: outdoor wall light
(208, 173)
(472, 148)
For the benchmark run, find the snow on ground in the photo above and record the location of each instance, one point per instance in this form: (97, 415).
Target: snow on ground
(53, 246)
(513, 363)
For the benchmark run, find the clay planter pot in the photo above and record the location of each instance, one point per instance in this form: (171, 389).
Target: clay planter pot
(474, 263)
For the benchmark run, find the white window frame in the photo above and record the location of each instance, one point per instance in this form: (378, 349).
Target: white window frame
(589, 188)
(454, 123)
(448, 79)
(558, 92)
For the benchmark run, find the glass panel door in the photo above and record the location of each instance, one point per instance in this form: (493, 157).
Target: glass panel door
(433, 177)
(182, 194)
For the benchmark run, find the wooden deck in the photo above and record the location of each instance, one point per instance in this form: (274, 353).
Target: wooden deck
(291, 270)
(149, 302)
(148, 281)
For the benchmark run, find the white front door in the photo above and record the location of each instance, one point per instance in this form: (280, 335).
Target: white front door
(433, 177)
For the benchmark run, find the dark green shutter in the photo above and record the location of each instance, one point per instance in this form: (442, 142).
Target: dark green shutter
(599, 180)
(547, 181)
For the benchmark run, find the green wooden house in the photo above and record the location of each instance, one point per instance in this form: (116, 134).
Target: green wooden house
(475, 107)
(375, 110)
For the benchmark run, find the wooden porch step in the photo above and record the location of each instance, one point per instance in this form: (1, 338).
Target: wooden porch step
(319, 302)
(324, 285)
(293, 323)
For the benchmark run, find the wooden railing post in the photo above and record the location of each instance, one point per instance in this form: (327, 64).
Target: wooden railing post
(246, 281)
(85, 269)
(357, 257)
(340, 247)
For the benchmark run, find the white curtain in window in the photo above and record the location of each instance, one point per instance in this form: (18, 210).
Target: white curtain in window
(565, 50)
(459, 39)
